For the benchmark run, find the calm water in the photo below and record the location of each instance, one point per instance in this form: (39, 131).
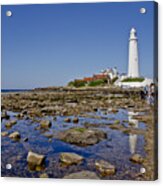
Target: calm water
(117, 148)
(14, 90)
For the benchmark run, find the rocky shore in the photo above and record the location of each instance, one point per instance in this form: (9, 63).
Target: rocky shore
(77, 133)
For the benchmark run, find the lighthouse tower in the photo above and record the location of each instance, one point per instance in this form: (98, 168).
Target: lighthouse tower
(133, 63)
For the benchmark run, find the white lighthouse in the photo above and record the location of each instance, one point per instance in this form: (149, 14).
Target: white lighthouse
(133, 63)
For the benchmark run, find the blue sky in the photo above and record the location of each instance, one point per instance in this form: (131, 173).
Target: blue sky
(49, 45)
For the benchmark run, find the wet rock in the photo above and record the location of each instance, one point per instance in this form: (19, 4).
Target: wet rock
(25, 139)
(5, 133)
(49, 140)
(114, 110)
(10, 123)
(2, 107)
(75, 120)
(44, 175)
(131, 124)
(48, 135)
(116, 122)
(137, 158)
(20, 115)
(45, 124)
(82, 136)
(105, 113)
(95, 109)
(67, 120)
(35, 159)
(105, 168)
(27, 118)
(64, 112)
(82, 175)
(115, 127)
(15, 135)
(70, 158)
(4, 115)
(34, 103)
(35, 113)
(24, 112)
(49, 109)
(54, 118)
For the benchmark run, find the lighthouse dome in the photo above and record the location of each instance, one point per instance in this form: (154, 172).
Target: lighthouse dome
(133, 30)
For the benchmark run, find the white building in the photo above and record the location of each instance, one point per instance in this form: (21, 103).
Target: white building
(110, 72)
(133, 65)
(133, 60)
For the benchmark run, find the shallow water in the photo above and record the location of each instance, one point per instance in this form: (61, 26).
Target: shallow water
(116, 149)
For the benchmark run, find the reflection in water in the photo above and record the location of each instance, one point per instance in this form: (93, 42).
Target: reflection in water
(133, 137)
(110, 149)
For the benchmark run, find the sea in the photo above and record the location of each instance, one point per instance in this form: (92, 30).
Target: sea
(14, 90)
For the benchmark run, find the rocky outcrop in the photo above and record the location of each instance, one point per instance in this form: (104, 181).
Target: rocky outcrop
(82, 175)
(82, 136)
(105, 168)
(70, 158)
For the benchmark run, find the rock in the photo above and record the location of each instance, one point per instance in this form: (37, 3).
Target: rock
(13, 122)
(67, 120)
(105, 113)
(54, 118)
(35, 159)
(45, 124)
(4, 115)
(34, 112)
(70, 158)
(75, 120)
(25, 139)
(82, 136)
(10, 123)
(105, 168)
(49, 140)
(44, 175)
(49, 109)
(64, 112)
(114, 110)
(15, 135)
(27, 118)
(48, 135)
(137, 158)
(2, 107)
(82, 175)
(131, 124)
(24, 112)
(20, 115)
(3, 134)
(115, 127)
(116, 122)
(95, 109)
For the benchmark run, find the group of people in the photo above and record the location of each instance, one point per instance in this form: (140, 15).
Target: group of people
(149, 93)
